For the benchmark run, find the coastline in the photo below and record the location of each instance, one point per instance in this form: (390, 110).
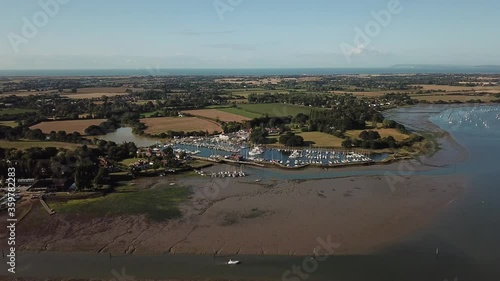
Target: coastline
(365, 215)
(356, 197)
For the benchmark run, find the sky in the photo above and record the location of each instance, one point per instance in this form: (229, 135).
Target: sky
(127, 34)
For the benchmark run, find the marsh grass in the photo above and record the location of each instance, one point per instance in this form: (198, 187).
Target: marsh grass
(158, 204)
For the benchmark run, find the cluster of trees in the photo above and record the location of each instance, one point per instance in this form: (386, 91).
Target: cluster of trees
(231, 127)
(82, 164)
(373, 140)
(270, 122)
(391, 124)
(105, 127)
(306, 99)
(259, 135)
(341, 119)
(291, 139)
(399, 99)
(23, 132)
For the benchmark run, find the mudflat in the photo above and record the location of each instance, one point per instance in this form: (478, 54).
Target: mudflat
(238, 216)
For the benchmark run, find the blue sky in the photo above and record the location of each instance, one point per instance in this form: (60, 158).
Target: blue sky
(249, 34)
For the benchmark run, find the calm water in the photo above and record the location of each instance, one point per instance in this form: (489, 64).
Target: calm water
(125, 135)
(253, 72)
(466, 232)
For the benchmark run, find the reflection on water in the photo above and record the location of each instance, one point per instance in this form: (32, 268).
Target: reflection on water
(125, 135)
(289, 158)
(306, 156)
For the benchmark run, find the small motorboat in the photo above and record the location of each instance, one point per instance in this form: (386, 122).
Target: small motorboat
(231, 262)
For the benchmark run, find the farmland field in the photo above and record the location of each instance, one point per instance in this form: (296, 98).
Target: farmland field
(88, 93)
(69, 126)
(11, 124)
(42, 144)
(106, 90)
(457, 88)
(275, 109)
(241, 112)
(221, 114)
(319, 139)
(92, 95)
(246, 92)
(14, 111)
(186, 124)
(362, 94)
(83, 93)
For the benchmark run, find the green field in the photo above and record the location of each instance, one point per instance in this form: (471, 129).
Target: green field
(275, 109)
(158, 204)
(11, 124)
(318, 139)
(240, 112)
(246, 92)
(14, 111)
(42, 144)
(149, 114)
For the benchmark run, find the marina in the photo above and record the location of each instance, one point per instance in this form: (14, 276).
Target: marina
(213, 149)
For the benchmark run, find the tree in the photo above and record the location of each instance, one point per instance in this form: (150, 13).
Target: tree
(290, 139)
(391, 142)
(364, 135)
(374, 121)
(84, 173)
(347, 143)
(259, 135)
(99, 178)
(295, 141)
(389, 123)
(301, 118)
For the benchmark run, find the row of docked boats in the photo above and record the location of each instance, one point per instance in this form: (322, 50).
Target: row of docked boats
(222, 174)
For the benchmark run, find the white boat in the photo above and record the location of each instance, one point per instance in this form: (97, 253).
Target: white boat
(231, 262)
(256, 151)
(295, 154)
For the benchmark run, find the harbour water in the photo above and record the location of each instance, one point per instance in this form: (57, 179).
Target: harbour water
(213, 148)
(466, 231)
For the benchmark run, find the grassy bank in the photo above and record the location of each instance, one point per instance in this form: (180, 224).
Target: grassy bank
(42, 144)
(158, 204)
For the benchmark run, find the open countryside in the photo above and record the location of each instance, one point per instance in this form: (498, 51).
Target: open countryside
(69, 126)
(216, 114)
(186, 124)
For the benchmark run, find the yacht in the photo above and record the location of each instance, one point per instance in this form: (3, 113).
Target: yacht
(231, 262)
(295, 154)
(256, 151)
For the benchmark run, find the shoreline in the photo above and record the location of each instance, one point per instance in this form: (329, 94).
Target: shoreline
(226, 225)
(251, 195)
